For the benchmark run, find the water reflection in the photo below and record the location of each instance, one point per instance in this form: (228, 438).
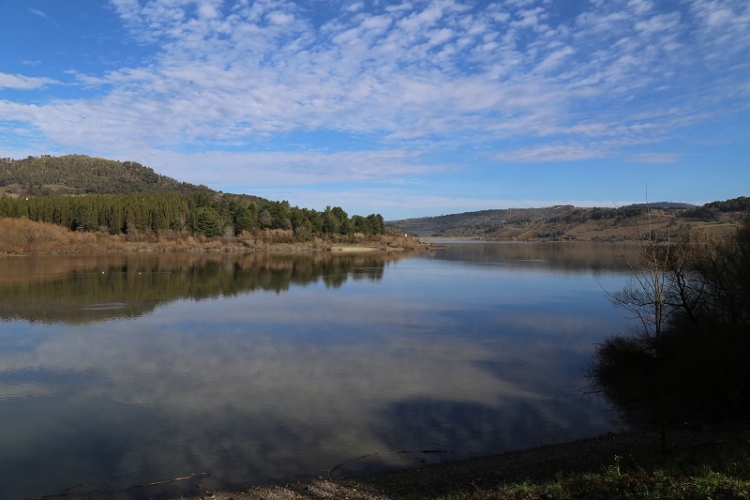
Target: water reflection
(554, 256)
(414, 354)
(89, 289)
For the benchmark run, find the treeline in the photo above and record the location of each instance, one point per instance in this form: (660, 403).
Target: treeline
(202, 212)
(581, 215)
(713, 210)
(79, 174)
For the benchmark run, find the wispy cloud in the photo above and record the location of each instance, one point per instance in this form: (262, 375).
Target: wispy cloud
(431, 70)
(38, 13)
(722, 26)
(44, 15)
(551, 153)
(518, 78)
(255, 170)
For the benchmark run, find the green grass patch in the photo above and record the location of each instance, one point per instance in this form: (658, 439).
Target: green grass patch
(717, 471)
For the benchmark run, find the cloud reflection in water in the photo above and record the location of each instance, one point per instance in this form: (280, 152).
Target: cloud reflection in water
(269, 387)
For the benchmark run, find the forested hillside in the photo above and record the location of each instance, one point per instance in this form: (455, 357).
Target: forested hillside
(566, 222)
(96, 195)
(209, 214)
(79, 174)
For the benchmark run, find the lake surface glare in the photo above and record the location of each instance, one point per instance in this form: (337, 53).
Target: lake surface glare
(119, 371)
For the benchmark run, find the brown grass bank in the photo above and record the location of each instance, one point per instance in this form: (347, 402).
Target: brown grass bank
(24, 237)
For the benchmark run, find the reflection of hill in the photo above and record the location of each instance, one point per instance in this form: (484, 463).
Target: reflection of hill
(89, 289)
(571, 256)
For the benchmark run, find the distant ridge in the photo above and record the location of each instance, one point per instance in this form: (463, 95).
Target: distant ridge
(567, 222)
(663, 204)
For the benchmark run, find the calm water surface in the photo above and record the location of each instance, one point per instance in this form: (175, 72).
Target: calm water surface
(118, 371)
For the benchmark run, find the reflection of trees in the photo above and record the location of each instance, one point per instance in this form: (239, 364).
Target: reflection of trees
(704, 350)
(705, 379)
(81, 290)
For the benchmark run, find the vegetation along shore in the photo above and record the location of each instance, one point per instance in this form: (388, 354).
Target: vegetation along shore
(23, 237)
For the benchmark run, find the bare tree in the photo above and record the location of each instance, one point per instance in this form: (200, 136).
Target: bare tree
(645, 298)
(228, 232)
(687, 358)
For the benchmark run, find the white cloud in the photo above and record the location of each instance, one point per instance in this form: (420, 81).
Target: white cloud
(661, 22)
(232, 79)
(723, 27)
(555, 59)
(354, 6)
(530, 19)
(641, 6)
(23, 82)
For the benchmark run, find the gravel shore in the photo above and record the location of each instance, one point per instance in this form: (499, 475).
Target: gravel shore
(536, 464)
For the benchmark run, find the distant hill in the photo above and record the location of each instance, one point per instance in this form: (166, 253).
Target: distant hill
(566, 222)
(478, 223)
(80, 174)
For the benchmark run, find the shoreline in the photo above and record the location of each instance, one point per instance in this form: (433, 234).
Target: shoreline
(467, 477)
(22, 238)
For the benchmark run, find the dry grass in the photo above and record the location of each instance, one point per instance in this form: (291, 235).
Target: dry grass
(23, 237)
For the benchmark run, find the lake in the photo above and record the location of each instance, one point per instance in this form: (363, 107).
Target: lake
(124, 370)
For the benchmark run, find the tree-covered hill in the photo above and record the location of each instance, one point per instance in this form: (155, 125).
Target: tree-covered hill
(97, 195)
(80, 174)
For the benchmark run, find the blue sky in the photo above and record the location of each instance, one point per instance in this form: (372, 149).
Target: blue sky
(402, 108)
